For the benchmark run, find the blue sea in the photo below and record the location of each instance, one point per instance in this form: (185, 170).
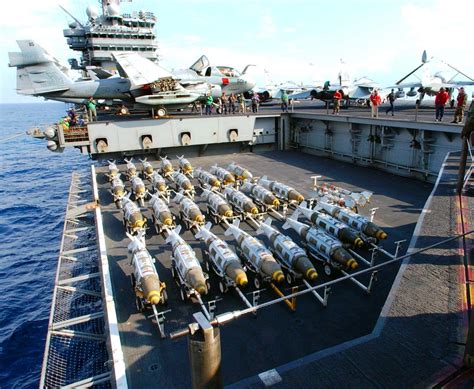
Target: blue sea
(34, 185)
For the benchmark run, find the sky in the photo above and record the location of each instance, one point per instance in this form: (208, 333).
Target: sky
(299, 40)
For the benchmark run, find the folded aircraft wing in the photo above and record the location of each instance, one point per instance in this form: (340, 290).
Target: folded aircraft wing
(405, 85)
(140, 70)
(306, 94)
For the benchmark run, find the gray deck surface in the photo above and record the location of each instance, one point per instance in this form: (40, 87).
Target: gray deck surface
(418, 342)
(276, 336)
(402, 112)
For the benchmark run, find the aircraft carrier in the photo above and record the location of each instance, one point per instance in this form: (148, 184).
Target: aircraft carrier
(399, 319)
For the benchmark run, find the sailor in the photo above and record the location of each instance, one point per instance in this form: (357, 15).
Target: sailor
(376, 101)
(284, 101)
(232, 100)
(337, 97)
(91, 108)
(441, 99)
(65, 122)
(255, 102)
(391, 99)
(209, 103)
(462, 103)
(71, 113)
(224, 101)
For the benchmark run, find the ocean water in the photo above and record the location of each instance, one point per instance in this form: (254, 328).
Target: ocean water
(34, 184)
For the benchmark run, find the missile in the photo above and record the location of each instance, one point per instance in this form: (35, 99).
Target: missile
(217, 204)
(223, 175)
(185, 166)
(224, 259)
(333, 226)
(148, 284)
(322, 243)
(113, 170)
(158, 183)
(161, 212)
(292, 255)
(260, 194)
(259, 257)
(133, 218)
(186, 262)
(353, 219)
(281, 190)
(118, 190)
(205, 177)
(189, 208)
(166, 167)
(147, 169)
(182, 181)
(131, 168)
(240, 172)
(240, 200)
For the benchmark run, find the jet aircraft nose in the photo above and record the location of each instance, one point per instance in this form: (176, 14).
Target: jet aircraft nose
(249, 81)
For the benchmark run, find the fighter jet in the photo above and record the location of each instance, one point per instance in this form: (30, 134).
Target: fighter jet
(40, 74)
(221, 78)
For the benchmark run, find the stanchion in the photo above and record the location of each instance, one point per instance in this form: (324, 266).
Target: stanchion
(204, 347)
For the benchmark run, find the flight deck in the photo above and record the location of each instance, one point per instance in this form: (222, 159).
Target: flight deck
(275, 336)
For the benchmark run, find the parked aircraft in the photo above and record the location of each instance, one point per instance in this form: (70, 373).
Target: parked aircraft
(357, 91)
(428, 84)
(222, 78)
(40, 74)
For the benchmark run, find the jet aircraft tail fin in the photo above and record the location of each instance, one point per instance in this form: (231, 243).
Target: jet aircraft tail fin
(37, 71)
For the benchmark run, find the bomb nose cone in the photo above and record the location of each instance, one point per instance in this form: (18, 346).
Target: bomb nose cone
(352, 263)
(254, 210)
(216, 183)
(299, 198)
(276, 202)
(358, 242)
(201, 289)
(228, 213)
(162, 188)
(241, 279)
(311, 274)
(278, 276)
(199, 218)
(168, 221)
(149, 169)
(381, 234)
(154, 297)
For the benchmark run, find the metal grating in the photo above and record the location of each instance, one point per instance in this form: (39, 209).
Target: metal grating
(76, 344)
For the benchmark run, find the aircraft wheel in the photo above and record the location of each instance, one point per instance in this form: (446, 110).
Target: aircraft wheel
(182, 294)
(222, 287)
(161, 112)
(289, 278)
(327, 269)
(257, 282)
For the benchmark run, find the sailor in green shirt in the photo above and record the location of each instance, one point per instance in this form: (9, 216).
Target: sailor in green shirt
(209, 102)
(91, 108)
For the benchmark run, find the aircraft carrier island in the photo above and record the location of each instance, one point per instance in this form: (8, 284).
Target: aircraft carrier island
(267, 250)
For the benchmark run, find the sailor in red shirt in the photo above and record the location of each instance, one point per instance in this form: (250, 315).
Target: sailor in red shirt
(375, 101)
(441, 99)
(337, 97)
